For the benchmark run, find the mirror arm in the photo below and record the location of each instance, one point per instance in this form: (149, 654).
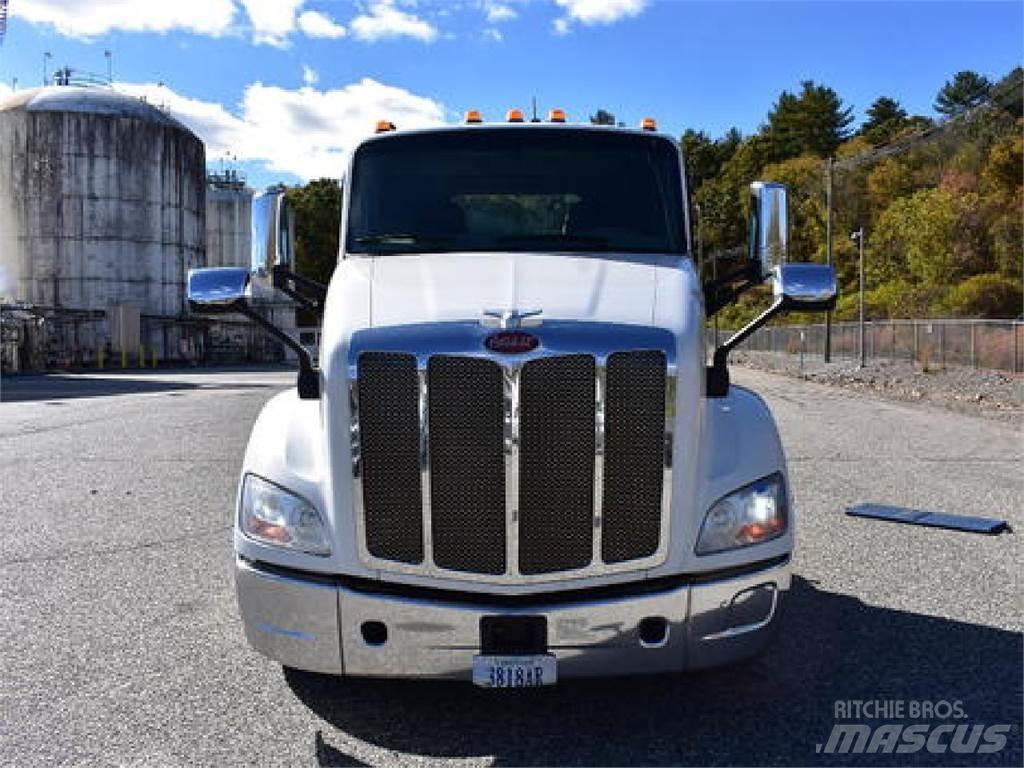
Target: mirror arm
(721, 292)
(309, 379)
(718, 372)
(309, 294)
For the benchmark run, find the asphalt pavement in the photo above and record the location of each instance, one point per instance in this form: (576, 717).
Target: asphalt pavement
(120, 642)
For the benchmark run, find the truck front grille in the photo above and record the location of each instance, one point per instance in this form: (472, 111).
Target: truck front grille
(556, 464)
(389, 442)
(467, 464)
(474, 467)
(634, 447)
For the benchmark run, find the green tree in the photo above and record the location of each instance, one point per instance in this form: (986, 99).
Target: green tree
(602, 117)
(706, 156)
(965, 91)
(317, 207)
(988, 295)
(1003, 174)
(886, 119)
(814, 121)
(887, 181)
(1008, 93)
(934, 237)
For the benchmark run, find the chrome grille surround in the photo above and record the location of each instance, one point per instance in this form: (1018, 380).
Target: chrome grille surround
(557, 339)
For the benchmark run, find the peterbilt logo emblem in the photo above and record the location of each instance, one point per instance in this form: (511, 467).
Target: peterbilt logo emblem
(511, 342)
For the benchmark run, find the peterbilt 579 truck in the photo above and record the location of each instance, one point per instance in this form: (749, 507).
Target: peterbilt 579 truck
(515, 461)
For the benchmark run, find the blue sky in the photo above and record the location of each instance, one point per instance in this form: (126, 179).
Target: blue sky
(289, 86)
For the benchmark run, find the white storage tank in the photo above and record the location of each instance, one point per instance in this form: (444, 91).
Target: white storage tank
(102, 204)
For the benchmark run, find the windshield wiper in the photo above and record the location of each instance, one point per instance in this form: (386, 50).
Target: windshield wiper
(580, 241)
(400, 238)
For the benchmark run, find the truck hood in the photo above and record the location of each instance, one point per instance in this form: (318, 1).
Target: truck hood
(459, 286)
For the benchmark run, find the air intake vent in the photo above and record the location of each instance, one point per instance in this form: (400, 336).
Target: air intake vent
(389, 435)
(634, 455)
(556, 464)
(467, 464)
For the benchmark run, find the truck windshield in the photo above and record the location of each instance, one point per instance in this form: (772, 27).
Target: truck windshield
(516, 189)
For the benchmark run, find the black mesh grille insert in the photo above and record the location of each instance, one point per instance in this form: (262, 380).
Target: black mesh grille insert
(633, 456)
(467, 464)
(389, 436)
(556, 464)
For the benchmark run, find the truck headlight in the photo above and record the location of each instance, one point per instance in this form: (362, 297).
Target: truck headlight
(755, 513)
(272, 515)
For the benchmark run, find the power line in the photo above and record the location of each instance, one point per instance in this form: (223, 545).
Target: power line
(932, 132)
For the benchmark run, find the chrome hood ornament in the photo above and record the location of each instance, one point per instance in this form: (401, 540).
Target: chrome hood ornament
(510, 319)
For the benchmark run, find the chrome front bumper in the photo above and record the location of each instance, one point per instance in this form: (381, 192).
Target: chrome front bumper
(317, 624)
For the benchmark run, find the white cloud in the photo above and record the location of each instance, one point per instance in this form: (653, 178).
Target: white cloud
(492, 33)
(90, 18)
(316, 24)
(309, 75)
(591, 12)
(384, 21)
(305, 132)
(496, 13)
(272, 20)
(5, 91)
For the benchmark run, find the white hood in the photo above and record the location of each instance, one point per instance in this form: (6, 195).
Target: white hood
(460, 286)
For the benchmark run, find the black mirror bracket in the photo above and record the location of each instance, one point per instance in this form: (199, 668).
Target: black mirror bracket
(717, 384)
(308, 379)
(308, 294)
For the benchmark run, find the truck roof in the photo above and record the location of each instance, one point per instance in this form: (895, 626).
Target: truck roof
(507, 126)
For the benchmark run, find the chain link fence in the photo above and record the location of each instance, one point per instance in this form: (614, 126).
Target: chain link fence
(991, 344)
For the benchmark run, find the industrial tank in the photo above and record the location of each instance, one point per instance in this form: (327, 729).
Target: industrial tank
(102, 213)
(228, 221)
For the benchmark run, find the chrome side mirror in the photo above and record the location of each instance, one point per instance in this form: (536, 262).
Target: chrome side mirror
(769, 225)
(273, 232)
(804, 287)
(217, 290)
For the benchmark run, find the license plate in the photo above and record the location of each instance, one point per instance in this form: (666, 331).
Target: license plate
(514, 671)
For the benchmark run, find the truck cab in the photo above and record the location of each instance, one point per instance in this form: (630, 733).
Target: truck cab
(515, 462)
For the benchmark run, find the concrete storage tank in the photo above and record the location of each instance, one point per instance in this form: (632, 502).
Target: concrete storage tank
(102, 210)
(228, 221)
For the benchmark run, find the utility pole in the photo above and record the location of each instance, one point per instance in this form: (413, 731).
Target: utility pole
(110, 67)
(46, 58)
(828, 253)
(859, 237)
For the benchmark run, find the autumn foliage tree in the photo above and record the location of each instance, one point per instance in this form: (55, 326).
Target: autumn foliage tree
(941, 201)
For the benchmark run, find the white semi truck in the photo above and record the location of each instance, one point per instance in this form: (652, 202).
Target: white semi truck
(515, 462)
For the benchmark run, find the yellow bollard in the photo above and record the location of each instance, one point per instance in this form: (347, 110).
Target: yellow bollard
(99, 357)
(142, 356)
(152, 356)
(124, 358)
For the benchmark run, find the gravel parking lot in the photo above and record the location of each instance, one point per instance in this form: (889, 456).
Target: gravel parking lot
(121, 643)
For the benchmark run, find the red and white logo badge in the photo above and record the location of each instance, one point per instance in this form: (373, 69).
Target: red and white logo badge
(511, 342)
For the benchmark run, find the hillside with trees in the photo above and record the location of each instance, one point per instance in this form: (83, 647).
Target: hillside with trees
(940, 199)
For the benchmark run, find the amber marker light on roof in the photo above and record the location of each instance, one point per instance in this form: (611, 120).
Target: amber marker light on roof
(649, 124)
(514, 116)
(473, 116)
(556, 116)
(383, 126)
